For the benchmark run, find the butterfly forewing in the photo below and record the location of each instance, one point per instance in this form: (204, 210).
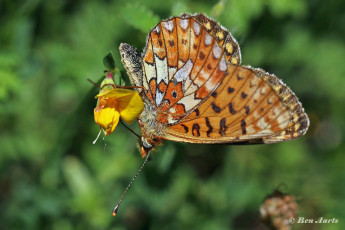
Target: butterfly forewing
(222, 36)
(181, 53)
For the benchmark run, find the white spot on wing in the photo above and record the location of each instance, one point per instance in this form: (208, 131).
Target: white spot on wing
(250, 129)
(284, 125)
(217, 51)
(189, 102)
(184, 23)
(222, 64)
(256, 115)
(284, 119)
(254, 82)
(210, 84)
(184, 72)
(159, 97)
(162, 70)
(196, 28)
(172, 72)
(157, 29)
(208, 39)
(256, 96)
(192, 88)
(263, 90)
(150, 72)
(171, 120)
(169, 25)
(261, 123)
(187, 83)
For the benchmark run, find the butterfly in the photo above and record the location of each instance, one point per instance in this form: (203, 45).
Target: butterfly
(196, 91)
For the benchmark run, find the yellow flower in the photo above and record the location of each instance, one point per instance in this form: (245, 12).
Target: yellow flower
(115, 103)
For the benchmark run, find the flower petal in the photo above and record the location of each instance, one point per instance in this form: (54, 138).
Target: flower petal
(115, 93)
(107, 119)
(130, 106)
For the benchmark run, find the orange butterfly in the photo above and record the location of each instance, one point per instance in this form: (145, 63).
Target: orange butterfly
(196, 91)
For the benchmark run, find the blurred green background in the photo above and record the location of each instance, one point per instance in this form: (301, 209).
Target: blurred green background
(53, 177)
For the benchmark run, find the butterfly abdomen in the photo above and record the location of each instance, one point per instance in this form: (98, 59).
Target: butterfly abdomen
(133, 63)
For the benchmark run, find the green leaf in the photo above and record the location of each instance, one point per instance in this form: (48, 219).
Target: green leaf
(139, 17)
(109, 62)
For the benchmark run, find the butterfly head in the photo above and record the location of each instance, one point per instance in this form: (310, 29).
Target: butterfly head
(145, 146)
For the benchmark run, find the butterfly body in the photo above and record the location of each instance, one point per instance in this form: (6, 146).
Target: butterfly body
(196, 91)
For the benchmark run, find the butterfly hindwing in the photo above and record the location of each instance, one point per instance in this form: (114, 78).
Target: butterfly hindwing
(250, 105)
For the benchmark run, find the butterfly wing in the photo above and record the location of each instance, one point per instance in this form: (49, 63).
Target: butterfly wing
(248, 106)
(198, 93)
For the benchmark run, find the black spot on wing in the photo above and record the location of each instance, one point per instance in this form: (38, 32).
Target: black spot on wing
(210, 128)
(246, 109)
(215, 108)
(222, 126)
(231, 109)
(243, 126)
(171, 43)
(196, 130)
(230, 89)
(185, 128)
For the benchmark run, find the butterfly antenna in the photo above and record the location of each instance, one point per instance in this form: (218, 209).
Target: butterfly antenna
(116, 208)
(132, 131)
(94, 83)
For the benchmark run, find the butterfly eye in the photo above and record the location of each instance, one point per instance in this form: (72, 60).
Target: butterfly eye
(146, 144)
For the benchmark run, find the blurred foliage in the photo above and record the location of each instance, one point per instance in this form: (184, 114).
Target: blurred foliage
(52, 177)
